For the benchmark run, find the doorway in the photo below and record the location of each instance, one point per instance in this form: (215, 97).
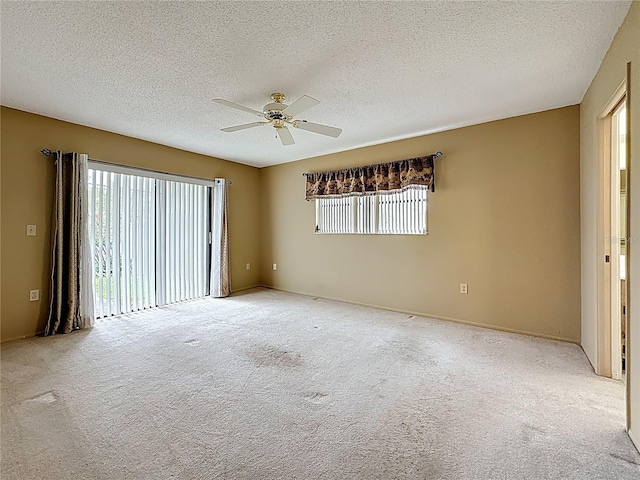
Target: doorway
(613, 234)
(619, 235)
(150, 238)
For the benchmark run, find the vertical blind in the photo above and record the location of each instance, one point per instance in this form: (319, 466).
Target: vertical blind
(182, 238)
(402, 212)
(149, 239)
(123, 239)
(335, 215)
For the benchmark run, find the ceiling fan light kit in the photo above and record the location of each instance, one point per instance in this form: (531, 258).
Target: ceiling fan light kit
(279, 115)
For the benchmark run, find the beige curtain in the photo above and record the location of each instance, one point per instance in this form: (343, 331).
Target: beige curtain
(372, 179)
(220, 277)
(71, 290)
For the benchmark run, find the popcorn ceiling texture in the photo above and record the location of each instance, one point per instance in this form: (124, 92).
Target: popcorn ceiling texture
(382, 70)
(272, 385)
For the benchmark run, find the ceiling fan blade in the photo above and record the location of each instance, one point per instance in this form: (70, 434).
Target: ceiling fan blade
(303, 104)
(242, 127)
(237, 106)
(318, 128)
(285, 136)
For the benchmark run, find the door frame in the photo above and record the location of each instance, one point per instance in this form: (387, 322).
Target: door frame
(608, 228)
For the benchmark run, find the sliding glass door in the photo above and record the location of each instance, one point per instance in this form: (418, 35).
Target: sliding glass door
(183, 241)
(150, 240)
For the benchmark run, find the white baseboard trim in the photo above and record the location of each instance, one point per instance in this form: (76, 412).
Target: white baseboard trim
(634, 439)
(21, 337)
(242, 289)
(428, 315)
(381, 307)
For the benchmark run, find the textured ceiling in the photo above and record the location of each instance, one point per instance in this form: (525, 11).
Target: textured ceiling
(381, 70)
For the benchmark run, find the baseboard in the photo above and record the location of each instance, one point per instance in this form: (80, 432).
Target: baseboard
(246, 288)
(381, 307)
(428, 315)
(634, 439)
(21, 337)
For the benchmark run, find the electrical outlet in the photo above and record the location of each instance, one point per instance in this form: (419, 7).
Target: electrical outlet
(34, 295)
(464, 288)
(275, 267)
(31, 230)
(248, 266)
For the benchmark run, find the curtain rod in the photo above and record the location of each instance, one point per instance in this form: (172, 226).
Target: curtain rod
(47, 153)
(438, 154)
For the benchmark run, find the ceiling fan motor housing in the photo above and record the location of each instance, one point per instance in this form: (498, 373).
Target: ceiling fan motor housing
(273, 112)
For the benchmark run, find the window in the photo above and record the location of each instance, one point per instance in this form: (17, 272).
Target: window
(401, 212)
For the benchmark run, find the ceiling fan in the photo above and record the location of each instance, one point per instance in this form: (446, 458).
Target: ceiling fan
(279, 115)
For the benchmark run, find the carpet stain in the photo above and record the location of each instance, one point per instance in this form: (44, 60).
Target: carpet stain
(270, 356)
(624, 459)
(530, 432)
(37, 402)
(535, 428)
(44, 398)
(316, 398)
(405, 350)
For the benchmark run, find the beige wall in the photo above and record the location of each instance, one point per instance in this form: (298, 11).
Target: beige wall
(27, 192)
(505, 219)
(624, 48)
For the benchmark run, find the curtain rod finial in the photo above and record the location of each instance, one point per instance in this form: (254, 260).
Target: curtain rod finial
(46, 152)
(438, 154)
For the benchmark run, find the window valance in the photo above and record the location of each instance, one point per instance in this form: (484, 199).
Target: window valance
(372, 179)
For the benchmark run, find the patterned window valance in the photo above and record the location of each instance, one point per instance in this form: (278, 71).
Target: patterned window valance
(372, 179)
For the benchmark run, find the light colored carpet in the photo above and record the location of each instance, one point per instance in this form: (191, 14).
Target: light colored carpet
(270, 385)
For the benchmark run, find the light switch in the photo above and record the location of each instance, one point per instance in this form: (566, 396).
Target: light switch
(31, 230)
